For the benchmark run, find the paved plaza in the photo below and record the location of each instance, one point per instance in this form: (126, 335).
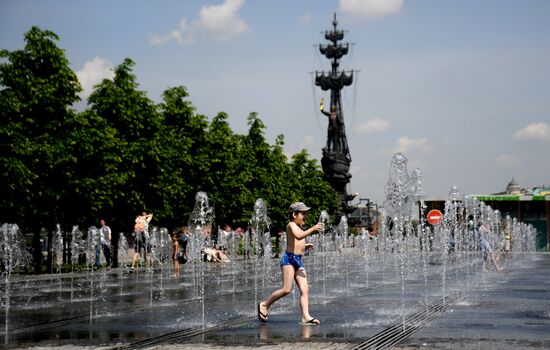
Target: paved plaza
(447, 305)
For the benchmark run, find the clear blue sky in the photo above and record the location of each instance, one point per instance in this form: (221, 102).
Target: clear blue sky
(461, 87)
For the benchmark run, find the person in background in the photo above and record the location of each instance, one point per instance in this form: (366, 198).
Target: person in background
(141, 233)
(239, 232)
(486, 247)
(175, 252)
(104, 244)
(215, 254)
(183, 239)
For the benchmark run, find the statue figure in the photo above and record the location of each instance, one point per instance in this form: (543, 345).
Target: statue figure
(332, 130)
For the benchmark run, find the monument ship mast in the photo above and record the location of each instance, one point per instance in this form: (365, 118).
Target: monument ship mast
(336, 158)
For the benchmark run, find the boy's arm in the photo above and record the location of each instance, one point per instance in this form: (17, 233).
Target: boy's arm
(300, 234)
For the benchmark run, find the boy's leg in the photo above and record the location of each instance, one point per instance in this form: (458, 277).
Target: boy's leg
(175, 266)
(287, 276)
(301, 281)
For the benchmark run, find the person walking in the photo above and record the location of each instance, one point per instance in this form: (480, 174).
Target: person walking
(486, 247)
(292, 266)
(104, 244)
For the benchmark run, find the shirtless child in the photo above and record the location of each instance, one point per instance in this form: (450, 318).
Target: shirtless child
(292, 266)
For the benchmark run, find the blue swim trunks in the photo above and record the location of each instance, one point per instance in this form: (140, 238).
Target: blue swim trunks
(292, 259)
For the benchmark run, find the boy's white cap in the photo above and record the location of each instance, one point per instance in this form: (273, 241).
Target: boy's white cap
(298, 206)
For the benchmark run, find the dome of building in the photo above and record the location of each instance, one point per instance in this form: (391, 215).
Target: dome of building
(513, 187)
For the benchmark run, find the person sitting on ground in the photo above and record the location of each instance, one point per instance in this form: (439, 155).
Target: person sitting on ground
(215, 254)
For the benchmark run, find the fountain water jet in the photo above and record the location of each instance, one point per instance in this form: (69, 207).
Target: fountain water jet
(402, 191)
(200, 224)
(14, 254)
(260, 223)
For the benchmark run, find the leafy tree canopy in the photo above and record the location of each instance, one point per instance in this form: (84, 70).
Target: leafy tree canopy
(125, 153)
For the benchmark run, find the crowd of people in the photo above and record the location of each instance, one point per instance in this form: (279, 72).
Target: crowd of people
(214, 247)
(215, 244)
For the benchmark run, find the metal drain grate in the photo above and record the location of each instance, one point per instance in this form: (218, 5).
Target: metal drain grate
(396, 333)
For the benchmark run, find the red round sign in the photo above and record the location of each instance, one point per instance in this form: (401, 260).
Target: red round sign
(434, 217)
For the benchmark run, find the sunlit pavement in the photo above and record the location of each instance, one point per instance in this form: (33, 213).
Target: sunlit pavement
(110, 309)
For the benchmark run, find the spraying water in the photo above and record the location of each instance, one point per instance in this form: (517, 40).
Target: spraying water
(259, 224)
(200, 224)
(76, 249)
(324, 219)
(14, 254)
(402, 191)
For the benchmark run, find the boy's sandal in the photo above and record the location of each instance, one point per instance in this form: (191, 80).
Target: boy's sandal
(261, 316)
(312, 322)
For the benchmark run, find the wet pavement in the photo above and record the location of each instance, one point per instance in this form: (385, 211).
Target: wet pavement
(510, 311)
(373, 302)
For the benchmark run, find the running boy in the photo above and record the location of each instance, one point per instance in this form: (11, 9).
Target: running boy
(292, 266)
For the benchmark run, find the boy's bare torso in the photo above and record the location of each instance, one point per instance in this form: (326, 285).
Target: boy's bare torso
(294, 245)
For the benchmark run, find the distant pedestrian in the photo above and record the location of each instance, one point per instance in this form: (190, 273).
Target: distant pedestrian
(183, 239)
(141, 233)
(104, 244)
(175, 252)
(486, 247)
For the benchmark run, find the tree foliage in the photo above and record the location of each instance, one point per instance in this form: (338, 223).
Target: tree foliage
(125, 153)
(37, 90)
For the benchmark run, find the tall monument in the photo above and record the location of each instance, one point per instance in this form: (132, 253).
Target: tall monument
(336, 158)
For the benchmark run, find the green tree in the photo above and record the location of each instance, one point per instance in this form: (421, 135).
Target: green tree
(279, 187)
(254, 154)
(96, 183)
(37, 91)
(224, 179)
(183, 163)
(125, 154)
(136, 148)
(270, 176)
